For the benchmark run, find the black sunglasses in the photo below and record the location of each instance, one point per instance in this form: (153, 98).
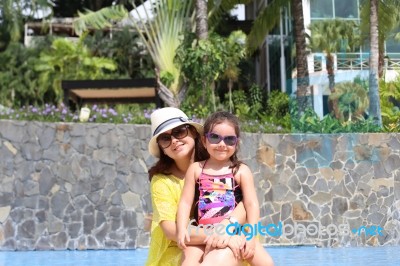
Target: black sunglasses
(215, 139)
(165, 139)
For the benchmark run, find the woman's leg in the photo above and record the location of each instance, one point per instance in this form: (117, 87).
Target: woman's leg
(222, 256)
(192, 255)
(261, 257)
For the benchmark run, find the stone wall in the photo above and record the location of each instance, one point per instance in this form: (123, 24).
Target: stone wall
(85, 186)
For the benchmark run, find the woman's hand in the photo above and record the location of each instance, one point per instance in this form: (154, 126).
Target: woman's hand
(249, 249)
(237, 244)
(182, 236)
(216, 241)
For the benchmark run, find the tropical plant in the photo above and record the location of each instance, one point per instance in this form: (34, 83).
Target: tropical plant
(18, 79)
(124, 46)
(310, 122)
(331, 36)
(235, 51)
(349, 101)
(68, 60)
(161, 28)
(13, 14)
(202, 61)
(390, 103)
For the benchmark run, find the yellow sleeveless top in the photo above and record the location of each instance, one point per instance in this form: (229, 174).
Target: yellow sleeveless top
(165, 194)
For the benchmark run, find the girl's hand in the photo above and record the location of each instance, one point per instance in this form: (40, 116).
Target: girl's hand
(181, 238)
(249, 249)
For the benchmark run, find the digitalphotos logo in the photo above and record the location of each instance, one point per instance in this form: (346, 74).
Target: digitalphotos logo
(310, 230)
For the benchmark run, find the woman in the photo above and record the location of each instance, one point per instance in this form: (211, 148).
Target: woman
(176, 142)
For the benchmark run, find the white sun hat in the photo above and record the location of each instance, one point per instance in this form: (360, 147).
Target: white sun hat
(165, 119)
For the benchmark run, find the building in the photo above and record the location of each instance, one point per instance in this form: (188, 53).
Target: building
(276, 70)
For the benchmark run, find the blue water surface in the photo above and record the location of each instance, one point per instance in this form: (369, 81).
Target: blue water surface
(299, 256)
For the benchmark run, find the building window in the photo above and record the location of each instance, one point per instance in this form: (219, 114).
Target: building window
(321, 9)
(346, 9)
(331, 9)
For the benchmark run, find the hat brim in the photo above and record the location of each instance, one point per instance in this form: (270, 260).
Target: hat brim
(153, 145)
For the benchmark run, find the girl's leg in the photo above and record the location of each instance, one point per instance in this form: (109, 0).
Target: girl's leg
(261, 257)
(222, 256)
(192, 255)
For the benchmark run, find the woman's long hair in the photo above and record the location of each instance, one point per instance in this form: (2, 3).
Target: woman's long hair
(163, 165)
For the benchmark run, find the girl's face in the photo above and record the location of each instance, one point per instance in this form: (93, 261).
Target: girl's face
(221, 141)
(177, 143)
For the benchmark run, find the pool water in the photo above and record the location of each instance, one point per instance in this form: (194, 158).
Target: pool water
(299, 256)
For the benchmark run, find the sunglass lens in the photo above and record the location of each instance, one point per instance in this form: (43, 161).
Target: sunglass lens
(213, 138)
(230, 140)
(180, 132)
(164, 140)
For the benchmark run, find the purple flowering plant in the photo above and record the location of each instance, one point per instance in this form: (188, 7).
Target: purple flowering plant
(120, 114)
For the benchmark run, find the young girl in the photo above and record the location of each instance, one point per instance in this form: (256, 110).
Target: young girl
(215, 180)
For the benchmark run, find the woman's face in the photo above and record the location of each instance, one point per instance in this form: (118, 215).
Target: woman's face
(177, 143)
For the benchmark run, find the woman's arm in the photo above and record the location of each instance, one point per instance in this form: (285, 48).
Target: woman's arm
(250, 200)
(185, 204)
(252, 208)
(169, 226)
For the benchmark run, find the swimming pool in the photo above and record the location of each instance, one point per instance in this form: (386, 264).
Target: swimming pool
(299, 256)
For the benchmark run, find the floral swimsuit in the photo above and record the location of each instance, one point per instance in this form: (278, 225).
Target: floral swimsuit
(216, 197)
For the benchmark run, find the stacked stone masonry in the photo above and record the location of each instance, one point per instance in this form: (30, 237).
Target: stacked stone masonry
(85, 186)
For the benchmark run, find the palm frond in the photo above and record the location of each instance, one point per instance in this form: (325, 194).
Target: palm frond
(266, 20)
(217, 8)
(100, 19)
(161, 30)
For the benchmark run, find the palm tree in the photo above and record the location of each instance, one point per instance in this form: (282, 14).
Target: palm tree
(388, 19)
(267, 19)
(160, 28)
(349, 101)
(374, 107)
(303, 81)
(326, 36)
(235, 51)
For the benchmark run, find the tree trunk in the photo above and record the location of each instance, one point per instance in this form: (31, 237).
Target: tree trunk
(331, 72)
(381, 59)
(303, 80)
(374, 103)
(201, 20)
(166, 94)
(202, 34)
